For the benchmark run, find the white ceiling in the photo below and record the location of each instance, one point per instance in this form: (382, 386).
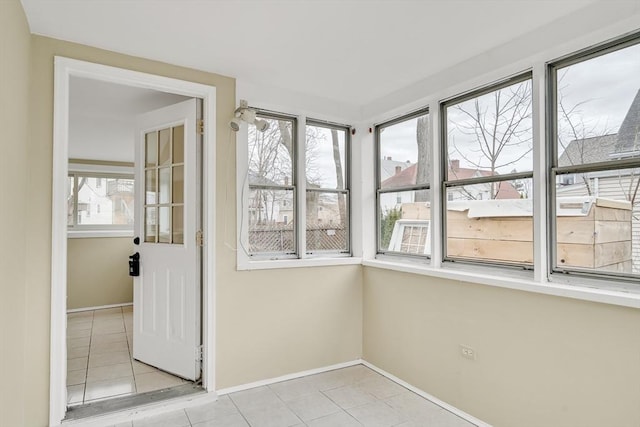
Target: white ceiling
(102, 118)
(348, 51)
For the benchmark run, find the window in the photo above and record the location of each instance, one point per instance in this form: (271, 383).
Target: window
(595, 161)
(276, 216)
(92, 206)
(403, 175)
(272, 187)
(487, 175)
(327, 208)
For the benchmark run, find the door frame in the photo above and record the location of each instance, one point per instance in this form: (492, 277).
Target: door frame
(64, 68)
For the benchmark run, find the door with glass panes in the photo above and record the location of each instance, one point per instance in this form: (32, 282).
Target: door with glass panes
(167, 292)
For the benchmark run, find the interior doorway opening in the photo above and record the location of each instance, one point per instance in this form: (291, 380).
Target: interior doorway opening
(99, 188)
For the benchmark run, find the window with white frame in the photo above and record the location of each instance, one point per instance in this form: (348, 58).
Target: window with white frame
(487, 138)
(403, 184)
(100, 202)
(595, 161)
(272, 200)
(273, 210)
(327, 182)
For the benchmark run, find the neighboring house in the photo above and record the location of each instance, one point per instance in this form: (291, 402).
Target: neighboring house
(407, 177)
(618, 185)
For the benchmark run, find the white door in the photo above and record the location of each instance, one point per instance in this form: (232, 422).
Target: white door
(166, 297)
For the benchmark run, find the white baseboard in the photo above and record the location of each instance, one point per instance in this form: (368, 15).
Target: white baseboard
(100, 307)
(287, 377)
(427, 396)
(160, 407)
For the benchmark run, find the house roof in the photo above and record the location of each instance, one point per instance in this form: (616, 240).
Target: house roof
(629, 133)
(407, 177)
(588, 150)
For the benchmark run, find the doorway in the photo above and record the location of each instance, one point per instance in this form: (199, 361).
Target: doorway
(154, 92)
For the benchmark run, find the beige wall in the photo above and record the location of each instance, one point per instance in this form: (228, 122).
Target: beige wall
(14, 92)
(97, 272)
(268, 323)
(541, 360)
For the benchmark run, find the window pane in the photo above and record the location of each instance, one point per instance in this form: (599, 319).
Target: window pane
(480, 227)
(164, 145)
(271, 221)
(105, 204)
(598, 108)
(598, 221)
(178, 144)
(405, 153)
(151, 149)
(490, 134)
(150, 225)
(164, 184)
(178, 184)
(271, 154)
(151, 191)
(177, 219)
(164, 224)
(327, 219)
(413, 206)
(325, 157)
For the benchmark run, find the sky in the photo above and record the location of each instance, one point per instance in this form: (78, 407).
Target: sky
(606, 86)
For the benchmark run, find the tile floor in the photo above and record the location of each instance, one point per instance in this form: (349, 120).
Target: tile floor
(354, 396)
(99, 358)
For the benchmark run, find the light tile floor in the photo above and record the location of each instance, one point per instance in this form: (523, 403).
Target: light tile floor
(99, 358)
(354, 396)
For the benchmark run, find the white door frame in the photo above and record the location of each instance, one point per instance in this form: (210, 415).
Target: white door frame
(65, 68)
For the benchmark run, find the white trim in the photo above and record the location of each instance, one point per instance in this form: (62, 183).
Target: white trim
(287, 377)
(514, 280)
(84, 234)
(156, 408)
(296, 262)
(428, 396)
(64, 68)
(99, 307)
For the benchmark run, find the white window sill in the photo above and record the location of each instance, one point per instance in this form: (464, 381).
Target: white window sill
(295, 263)
(82, 234)
(508, 281)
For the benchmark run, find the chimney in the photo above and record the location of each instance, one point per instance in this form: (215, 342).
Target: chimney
(455, 165)
(398, 169)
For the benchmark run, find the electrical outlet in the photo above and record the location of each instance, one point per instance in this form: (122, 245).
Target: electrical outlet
(467, 352)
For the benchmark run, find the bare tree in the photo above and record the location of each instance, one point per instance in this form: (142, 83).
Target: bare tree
(497, 127)
(423, 172)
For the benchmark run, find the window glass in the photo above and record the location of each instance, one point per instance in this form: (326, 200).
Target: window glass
(101, 201)
(325, 153)
(327, 221)
(271, 153)
(598, 108)
(408, 206)
(490, 134)
(404, 153)
(272, 205)
(489, 145)
(596, 176)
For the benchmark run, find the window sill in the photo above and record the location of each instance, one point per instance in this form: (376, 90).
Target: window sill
(84, 234)
(295, 263)
(510, 280)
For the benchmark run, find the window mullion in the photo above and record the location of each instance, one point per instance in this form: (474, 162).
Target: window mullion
(437, 188)
(301, 187)
(541, 246)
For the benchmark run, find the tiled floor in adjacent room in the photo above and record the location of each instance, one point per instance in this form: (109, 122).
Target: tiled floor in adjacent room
(99, 358)
(353, 396)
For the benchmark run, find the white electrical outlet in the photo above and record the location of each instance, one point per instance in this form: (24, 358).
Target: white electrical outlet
(467, 352)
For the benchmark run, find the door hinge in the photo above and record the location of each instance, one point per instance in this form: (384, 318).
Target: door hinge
(200, 127)
(199, 238)
(198, 353)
